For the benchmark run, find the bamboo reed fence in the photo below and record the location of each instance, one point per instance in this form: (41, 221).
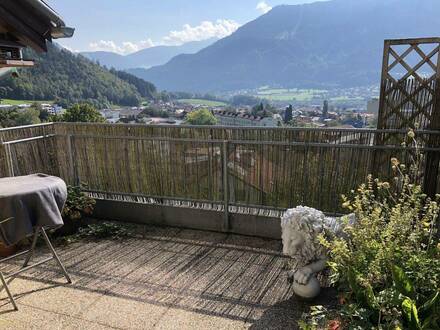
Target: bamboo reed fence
(260, 170)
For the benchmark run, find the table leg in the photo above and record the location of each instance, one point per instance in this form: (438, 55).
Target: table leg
(11, 297)
(25, 266)
(31, 250)
(49, 244)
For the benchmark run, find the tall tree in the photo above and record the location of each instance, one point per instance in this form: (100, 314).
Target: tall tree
(82, 113)
(201, 117)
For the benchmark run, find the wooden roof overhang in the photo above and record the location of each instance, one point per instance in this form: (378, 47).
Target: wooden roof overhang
(27, 23)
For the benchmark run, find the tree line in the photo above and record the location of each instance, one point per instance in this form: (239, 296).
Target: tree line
(68, 78)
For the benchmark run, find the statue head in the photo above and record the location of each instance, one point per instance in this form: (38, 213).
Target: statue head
(300, 229)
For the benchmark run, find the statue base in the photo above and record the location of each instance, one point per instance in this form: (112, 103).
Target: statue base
(308, 291)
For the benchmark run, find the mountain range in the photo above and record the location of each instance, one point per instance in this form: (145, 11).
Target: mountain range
(329, 44)
(147, 57)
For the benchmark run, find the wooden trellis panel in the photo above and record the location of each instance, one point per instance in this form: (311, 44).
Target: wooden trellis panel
(410, 96)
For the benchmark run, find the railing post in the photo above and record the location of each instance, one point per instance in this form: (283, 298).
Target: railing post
(225, 186)
(71, 160)
(8, 157)
(9, 161)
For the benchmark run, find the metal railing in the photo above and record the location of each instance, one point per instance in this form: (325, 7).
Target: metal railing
(250, 170)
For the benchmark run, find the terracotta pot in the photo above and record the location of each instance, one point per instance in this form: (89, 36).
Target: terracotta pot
(6, 251)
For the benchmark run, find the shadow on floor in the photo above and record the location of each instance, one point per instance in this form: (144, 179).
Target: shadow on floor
(285, 314)
(229, 276)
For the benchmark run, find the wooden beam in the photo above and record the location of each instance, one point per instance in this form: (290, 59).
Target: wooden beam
(28, 15)
(411, 41)
(15, 63)
(20, 30)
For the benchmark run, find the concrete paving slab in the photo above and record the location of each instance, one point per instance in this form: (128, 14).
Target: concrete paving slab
(123, 313)
(181, 319)
(54, 298)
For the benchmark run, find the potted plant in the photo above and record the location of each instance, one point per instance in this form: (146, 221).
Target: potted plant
(77, 206)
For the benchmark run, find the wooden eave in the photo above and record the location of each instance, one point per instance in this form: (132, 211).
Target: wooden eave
(15, 63)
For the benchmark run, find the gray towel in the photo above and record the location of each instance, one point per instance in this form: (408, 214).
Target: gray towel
(30, 201)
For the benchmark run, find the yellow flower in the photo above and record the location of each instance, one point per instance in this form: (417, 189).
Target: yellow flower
(394, 161)
(386, 185)
(411, 134)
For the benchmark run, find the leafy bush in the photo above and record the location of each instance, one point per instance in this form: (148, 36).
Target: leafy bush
(99, 230)
(106, 230)
(201, 117)
(77, 204)
(82, 112)
(388, 265)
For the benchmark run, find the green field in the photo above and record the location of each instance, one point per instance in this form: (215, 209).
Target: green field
(283, 94)
(202, 102)
(17, 102)
(346, 98)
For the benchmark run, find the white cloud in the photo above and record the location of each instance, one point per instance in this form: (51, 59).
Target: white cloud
(69, 48)
(263, 7)
(124, 48)
(205, 30)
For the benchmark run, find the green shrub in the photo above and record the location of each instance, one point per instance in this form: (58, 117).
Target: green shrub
(106, 229)
(78, 203)
(82, 112)
(388, 264)
(201, 117)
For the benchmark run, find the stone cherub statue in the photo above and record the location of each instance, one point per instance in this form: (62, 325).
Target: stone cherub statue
(300, 229)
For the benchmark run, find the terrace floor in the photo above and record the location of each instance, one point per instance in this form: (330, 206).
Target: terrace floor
(166, 279)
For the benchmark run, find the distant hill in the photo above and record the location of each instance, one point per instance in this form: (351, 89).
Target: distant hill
(61, 75)
(148, 57)
(144, 88)
(337, 43)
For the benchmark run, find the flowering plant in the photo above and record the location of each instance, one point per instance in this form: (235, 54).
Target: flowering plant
(388, 263)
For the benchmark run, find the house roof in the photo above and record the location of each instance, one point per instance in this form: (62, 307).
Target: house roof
(31, 23)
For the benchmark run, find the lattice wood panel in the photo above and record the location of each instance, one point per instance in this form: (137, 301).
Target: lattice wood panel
(410, 84)
(410, 98)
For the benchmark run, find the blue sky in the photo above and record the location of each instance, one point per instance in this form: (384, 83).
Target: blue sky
(125, 26)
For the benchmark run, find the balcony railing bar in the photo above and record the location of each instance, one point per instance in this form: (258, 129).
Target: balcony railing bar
(27, 139)
(237, 142)
(334, 145)
(19, 128)
(250, 128)
(136, 138)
